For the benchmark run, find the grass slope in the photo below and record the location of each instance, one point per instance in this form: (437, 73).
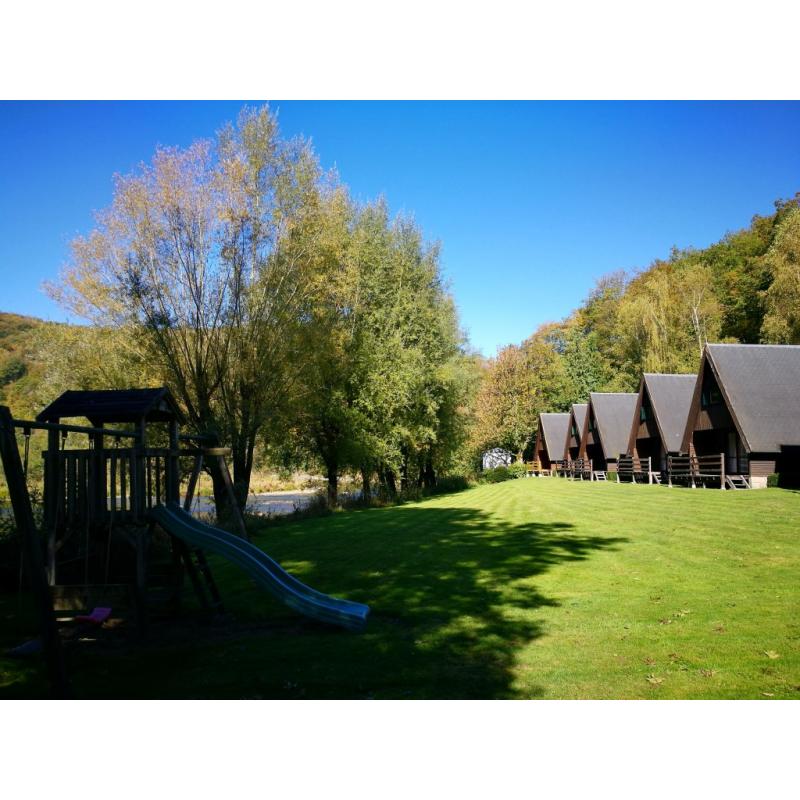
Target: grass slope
(530, 588)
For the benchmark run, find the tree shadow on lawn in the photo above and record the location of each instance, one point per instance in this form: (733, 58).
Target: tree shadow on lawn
(451, 594)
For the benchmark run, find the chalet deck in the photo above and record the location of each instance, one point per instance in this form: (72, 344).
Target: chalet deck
(606, 429)
(745, 412)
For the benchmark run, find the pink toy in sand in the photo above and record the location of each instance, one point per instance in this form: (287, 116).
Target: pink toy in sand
(97, 617)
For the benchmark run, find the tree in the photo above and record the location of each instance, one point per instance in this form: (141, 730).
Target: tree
(89, 357)
(205, 259)
(665, 318)
(586, 368)
(502, 417)
(599, 313)
(782, 299)
(384, 330)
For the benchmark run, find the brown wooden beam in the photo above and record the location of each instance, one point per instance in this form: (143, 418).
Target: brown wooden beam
(23, 516)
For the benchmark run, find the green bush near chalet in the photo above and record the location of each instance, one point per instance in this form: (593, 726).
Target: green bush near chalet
(517, 470)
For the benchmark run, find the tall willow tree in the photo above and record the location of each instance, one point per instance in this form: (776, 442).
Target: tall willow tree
(205, 257)
(665, 317)
(378, 394)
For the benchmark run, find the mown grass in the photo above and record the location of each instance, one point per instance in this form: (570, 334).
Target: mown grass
(536, 588)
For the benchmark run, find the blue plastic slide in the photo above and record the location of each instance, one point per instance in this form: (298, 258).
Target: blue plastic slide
(265, 571)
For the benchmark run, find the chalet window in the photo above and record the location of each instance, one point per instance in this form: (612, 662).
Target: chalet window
(710, 397)
(574, 432)
(591, 424)
(644, 414)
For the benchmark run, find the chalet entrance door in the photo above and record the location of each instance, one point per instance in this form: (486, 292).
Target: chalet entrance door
(731, 461)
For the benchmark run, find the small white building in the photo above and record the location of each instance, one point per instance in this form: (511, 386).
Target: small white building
(496, 458)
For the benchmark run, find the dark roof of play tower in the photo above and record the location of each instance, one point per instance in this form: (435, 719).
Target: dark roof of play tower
(101, 407)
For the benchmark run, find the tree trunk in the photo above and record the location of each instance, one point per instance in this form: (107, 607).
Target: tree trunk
(429, 474)
(391, 484)
(221, 501)
(242, 463)
(333, 484)
(242, 458)
(404, 471)
(366, 489)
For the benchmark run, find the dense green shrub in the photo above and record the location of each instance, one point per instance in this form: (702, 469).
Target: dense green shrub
(517, 470)
(451, 483)
(773, 480)
(497, 475)
(11, 369)
(612, 476)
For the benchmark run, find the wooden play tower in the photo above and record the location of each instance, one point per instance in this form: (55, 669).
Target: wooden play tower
(97, 543)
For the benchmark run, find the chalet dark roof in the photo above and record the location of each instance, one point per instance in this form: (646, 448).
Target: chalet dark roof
(671, 399)
(761, 384)
(579, 410)
(613, 412)
(113, 405)
(554, 429)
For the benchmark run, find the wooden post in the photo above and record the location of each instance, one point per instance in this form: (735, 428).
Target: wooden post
(219, 453)
(142, 541)
(53, 493)
(98, 476)
(23, 516)
(722, 471)
(193, 479)
(237, 512)
(138, 482)
(173, 489)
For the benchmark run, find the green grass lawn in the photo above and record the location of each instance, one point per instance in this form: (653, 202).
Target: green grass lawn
(535, 588)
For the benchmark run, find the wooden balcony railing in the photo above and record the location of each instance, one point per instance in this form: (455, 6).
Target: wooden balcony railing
(633, 468)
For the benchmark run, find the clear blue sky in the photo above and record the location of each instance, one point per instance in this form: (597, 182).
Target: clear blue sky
(531, 201)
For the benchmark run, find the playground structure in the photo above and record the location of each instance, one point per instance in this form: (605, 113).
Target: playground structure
(115, 529)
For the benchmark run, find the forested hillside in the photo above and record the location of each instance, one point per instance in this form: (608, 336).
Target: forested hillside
(744, 288)
(20, 370)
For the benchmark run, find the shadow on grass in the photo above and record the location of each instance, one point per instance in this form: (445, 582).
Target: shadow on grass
(452, 594)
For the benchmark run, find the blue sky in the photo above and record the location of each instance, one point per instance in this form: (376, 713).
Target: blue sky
(532, 202)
